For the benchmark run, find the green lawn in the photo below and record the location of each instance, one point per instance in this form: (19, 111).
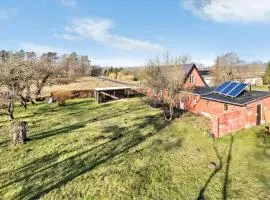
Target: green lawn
(261, 87)
(125, 150)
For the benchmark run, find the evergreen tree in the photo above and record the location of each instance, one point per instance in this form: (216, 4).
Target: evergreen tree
(266, 78)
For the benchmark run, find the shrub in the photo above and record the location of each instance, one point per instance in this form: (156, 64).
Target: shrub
(82, 93)
(61, 97)
(135, 79)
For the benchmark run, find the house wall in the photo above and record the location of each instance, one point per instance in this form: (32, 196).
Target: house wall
(212, 107)
(251, 111)
(209, 80)
(198, 81)
(234, 119)
(254, 81)
(222, 122)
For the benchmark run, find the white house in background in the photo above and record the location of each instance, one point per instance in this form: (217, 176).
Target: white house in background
(252, 80)
(207, 76)
(246, 78)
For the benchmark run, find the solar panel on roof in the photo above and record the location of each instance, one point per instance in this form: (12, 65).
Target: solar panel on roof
(221, 87)
(237, 90)
(229, 88)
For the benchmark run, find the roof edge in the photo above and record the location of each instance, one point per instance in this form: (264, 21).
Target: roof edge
(194, 66)
(237, 104)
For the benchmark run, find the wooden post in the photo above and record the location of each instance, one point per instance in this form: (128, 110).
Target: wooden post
(97, 94)
(109, 95)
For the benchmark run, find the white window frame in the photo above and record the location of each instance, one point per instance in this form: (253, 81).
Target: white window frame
(191, 79)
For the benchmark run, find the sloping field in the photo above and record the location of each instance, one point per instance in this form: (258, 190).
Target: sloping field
(125, 150)
(84, 83)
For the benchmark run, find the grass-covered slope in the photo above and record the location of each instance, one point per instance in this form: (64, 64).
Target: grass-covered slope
(125, 150)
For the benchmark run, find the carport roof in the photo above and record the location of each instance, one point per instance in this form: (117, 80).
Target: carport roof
(112, 88)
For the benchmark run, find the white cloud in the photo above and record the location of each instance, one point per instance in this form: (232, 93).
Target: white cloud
(40, 49)
(67, 37)
(69, 3)
(99, 30)
(225, 11)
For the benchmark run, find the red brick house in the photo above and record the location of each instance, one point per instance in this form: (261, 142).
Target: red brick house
(249, 108)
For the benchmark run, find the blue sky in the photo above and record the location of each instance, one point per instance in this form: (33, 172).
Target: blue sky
(128, 32)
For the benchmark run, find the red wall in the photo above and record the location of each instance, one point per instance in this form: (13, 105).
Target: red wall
(212, 107)
(235, 118)
(198, 79)
(223, 122)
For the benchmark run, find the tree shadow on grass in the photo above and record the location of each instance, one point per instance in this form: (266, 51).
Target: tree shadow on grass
(5, 143)
(36, 182)
(218, 169)
(78, 110)
(264, 145)
(263, 155)
(59, 131)
(79, 125)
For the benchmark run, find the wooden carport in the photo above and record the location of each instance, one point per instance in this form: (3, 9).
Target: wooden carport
(111, 93)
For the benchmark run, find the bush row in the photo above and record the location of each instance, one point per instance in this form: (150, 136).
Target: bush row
(62, 96)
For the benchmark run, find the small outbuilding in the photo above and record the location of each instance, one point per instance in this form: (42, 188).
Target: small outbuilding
(111, 93)
(230, 107)
(228, 114)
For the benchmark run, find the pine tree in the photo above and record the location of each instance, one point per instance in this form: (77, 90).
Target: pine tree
(266, 78)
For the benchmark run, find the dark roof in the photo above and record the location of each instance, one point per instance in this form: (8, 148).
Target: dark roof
(206, 72)
(202, 90)
(242, 100)
(187, 68)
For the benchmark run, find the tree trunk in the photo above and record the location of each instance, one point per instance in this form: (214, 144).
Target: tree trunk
(11, 109)
(19, 132)
(23, 101)
(41, 85)
(171, 109)
(169, 112)
(28, 95)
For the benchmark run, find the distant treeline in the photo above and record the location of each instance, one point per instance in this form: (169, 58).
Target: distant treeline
(121, 73)
(66, 65)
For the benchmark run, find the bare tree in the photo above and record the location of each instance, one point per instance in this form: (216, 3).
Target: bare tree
(22, 78)
(14, 77)
(84, 66)
(225, 67)
(7, 104)
(42, 70)
(166, 73)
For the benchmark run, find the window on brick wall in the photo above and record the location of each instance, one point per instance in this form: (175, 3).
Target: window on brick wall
(191, 79)
(225, 107)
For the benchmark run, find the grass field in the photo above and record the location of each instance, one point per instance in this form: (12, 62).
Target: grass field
(125, 150)
(261, 87)
(84, 83)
